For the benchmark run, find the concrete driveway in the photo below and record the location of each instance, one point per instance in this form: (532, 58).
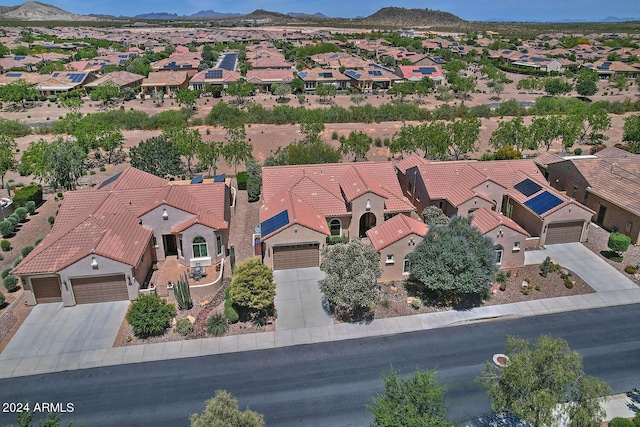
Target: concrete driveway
(299, 299)
(589, 266)
(51, 329)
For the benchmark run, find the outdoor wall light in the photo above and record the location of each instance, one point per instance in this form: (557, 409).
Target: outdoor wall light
(66, 285)
(368, 207)
(94, 263)
(129, 280)
(165, 214)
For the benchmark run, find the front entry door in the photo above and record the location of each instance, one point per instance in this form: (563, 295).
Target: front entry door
(601, 213)
(170, 247)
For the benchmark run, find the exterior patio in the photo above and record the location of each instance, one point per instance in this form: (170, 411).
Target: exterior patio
(170, 271)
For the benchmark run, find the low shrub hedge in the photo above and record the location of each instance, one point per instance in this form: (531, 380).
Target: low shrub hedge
(10, 283)
(30, 192)
(621, 422)
(183, 327)
(150, 315)
(5, 245)
(242, 180)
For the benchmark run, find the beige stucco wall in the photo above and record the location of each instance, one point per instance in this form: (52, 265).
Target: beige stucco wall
(291, 235)
(141, 270)
(209, 235)
(346, 224)
(568, 213)
(358, 208)
(617, 218)
(512, 254)
(154, 221)
(474, 203)
(399, 250)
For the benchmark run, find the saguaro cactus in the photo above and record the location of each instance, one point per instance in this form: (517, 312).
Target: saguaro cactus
(183, 293)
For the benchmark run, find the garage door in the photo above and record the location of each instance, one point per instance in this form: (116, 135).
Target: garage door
(46, 289)
(565, 232)
(296, 256)
(88, 290)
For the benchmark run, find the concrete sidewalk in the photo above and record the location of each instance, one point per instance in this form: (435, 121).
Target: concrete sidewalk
(16, 367)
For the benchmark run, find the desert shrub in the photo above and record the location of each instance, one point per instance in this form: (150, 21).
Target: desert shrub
(230, 311)
(37, 242)
(30, 192)
(618, 243)
(217, 324)
(385, 303)
(2, 299)
(13, 128)
(630, 269)
(5, 245)
(621, 422)
(51, 220)
(10, 283)
(577, 151)
(5, 272)
(150, 315)
(30, 205)
(22, 214)
(332, 240)
(416, 303)
(26, 251)
(501, 276)
(183, 327)
(16, 262)
(334, 135)
(6, 229)
(636, 419)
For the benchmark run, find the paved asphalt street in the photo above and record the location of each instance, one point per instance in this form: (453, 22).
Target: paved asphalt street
(328, 384)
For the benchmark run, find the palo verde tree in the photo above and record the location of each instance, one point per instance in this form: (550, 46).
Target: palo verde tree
(186, 141)
(545, 130)
(454, 260)
(157, 156)
(241, 90)
(417, 401)
(209, 153)
(631, 132)
(223, 411)
(64, 163)
(7, 156)
(18, 92)
(236, 149)
(187, 97)
(311, 128)
(351, 272)
(464, 135)
(512, 133)
(325, 91)
(540, 376)
(358, 144)
(108, 93)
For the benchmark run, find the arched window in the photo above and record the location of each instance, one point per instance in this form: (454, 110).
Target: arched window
(200, 247)
(367, 222)
(335, 226)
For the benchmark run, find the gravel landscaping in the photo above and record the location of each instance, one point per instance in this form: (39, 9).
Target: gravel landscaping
(597, 243)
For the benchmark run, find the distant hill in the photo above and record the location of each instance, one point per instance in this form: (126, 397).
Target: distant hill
(36, 11)
(401, 17)
(616, 19)
(213, 14)
(316, 15)
(164, 16)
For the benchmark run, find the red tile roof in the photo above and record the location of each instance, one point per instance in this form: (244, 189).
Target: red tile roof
(409, 162)
(394, 229)
(486, 220)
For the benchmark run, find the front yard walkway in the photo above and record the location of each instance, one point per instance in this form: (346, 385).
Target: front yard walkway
(245, 217)
(590, 267)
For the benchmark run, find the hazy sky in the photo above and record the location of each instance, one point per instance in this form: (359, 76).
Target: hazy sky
(475, 10)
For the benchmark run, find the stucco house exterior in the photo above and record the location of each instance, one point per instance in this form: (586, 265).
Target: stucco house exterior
(306, 204)
(608, 183)
(105, 239)
(508, 237)
(515, 188)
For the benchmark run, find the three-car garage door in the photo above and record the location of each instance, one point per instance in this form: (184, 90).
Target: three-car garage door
(89, 290)
(564, 232)
(296, 256)
(46, 289)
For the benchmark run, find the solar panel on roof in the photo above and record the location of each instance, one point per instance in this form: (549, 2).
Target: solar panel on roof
(543, 202)
(13, 74)
(19, 58)
(110, 180)
(274, 223)
(528, 187)
(426, 70)
(219, 178)
(375, 73)
(326, 75)
(352, 74)
(196, 179)
(302, 74)
(213, 74)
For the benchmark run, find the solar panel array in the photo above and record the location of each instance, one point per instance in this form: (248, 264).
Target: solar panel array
(303, 74)
(425, 70)
(353, 74)
(13, 74)
(19, 58)
(543, 202)
(219, 178)
(274, 223)
(438, 60)
(196, 179)
(528, 187)
(375, 73)
(172, 65)
(110, 180)
(326, 75)
(76, 78)
(213, 74)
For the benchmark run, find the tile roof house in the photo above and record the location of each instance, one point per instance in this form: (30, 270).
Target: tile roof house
(215, 77)
(372, 78)
(105, 239)
(313, 77)
(515, 188)
(607, 183)
(264, 78)
(121, 79)
(304, 205)
(415, 73)
(508, 237)
(167, 82)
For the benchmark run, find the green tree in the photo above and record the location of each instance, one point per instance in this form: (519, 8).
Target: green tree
(631, 132)
(618, 243)
(7, 156)
(149, 315)
(187, 97)
(252, 285)
(425, 86)
(404, 140)
(241, 90)
(310, 128)
(556, 86)
(186, 141)
(464, 85)
(297, 85)
(18, 91)
(433, 215)
(454, 260)
(464, 135)
(351, 272)
(157, 156)
(496, 87)
(325, 91)
(435, 140)
(299, 153)
(139, 65)
(530, 84)
(415, 402)
(222, 411)
(358, 144)
(544, 130)
(32, 160)
(64, 163)
(593, 121)
(108, 93)
(72, 103)
(208, 153)
(586, 87)
(111, 141)
(619, 82)
(513, 133)
(539, 377)
(282, 91)
(236, 148)
(444, 94)
(403, 89)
